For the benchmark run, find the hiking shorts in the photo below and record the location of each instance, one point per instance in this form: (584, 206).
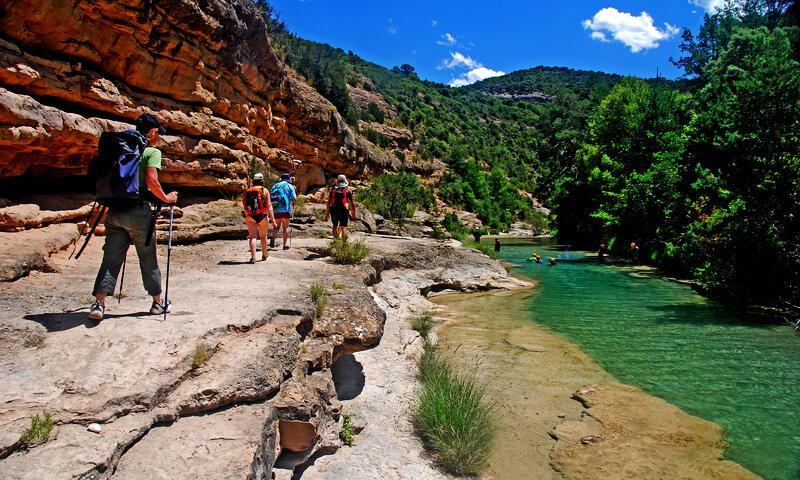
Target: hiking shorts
(340, 218)
(279, 215)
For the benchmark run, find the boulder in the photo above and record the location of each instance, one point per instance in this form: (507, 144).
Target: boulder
(29, 250)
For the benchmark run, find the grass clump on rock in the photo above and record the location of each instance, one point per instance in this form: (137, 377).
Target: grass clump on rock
(422, 324)
(348, 252)
(348, 433)
(40, 429)
(453, 415)
(320, 297)
(202, 353)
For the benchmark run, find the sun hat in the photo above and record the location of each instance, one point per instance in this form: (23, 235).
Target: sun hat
(286, 176)
(341, 181)
(258, 176)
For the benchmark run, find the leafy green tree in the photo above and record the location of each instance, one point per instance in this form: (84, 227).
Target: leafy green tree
(396, 195)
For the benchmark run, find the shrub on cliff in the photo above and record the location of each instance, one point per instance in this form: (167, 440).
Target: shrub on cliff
(39, 430)
(348, 252)
(453, 415)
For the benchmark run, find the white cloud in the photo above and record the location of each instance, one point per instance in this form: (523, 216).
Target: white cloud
(474, 75)
(392, 27)
(635, 32)
(434, 23)
(446, 39)
(710, 5)
(457, 60)
(475, 71)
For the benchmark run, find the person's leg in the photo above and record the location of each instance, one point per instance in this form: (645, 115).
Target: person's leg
(252, 231)
(285, 223)
(262, 233)
(137, 223)
(114, 249)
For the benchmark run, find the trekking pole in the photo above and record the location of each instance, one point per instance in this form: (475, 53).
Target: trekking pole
(122, 280)
(91, 232)
(169, 254)
(83, 230)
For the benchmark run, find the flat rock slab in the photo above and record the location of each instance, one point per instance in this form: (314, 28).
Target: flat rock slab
(23, 252)
(629, 434)
(237, 443)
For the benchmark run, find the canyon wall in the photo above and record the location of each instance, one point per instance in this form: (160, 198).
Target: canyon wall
(72, 69)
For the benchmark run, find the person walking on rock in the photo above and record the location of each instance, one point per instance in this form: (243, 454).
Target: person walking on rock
(258, 214)
(284, 195)
(131, 222)
(341, 207)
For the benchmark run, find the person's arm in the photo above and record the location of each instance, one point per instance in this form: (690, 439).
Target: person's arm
(352, 206)
(155, 187)
(270, 212)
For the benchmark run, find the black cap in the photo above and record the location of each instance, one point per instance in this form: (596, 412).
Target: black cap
(147, 122)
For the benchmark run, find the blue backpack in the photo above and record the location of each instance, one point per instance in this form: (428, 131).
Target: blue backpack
(116, 168)
(280, 196)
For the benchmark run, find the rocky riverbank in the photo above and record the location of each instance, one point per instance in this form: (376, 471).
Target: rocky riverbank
(242, 380)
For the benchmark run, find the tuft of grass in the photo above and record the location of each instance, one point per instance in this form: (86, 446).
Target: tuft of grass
(339, 286)
(320, 297)
(453, 415)
(348, 433)
(348, 252)
(484, 248)
(202, 354)
(40, 429)
(423, 324)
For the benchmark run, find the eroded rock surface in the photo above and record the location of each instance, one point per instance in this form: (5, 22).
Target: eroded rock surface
(263, 389)
(70, 70)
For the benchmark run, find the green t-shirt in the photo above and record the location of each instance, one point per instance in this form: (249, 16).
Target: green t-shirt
(151, 157)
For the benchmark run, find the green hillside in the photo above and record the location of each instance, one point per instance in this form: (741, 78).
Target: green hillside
(704, 175)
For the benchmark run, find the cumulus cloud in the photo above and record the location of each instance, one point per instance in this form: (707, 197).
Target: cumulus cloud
(710, 5)
(458, 59)
(446, 39)
(474, 75)
(635, 32)
(475, 71)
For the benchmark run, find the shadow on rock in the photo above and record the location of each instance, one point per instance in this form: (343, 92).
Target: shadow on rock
(58, 322)
(348, 377)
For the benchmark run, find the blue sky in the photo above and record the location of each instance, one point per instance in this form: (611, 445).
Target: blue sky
(459, 42)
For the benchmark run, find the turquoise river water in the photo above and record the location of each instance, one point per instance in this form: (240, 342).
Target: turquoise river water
(661, 336)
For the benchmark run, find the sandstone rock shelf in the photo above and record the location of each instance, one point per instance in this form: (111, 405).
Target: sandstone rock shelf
(265, 388)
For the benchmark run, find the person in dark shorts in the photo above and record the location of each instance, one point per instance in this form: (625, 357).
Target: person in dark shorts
(285, 197)
(341, 207)
(258, 215)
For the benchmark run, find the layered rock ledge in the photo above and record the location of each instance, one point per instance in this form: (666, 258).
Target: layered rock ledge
(70, 70)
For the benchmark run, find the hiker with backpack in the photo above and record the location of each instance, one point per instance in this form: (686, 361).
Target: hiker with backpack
(126, 172)
(341, 207)
(258, 214)
(284, 198)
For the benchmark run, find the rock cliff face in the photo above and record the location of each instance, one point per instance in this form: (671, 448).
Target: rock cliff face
(72, 69)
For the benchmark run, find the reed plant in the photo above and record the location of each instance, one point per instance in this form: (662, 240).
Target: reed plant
(453, 415)
(320, 297)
